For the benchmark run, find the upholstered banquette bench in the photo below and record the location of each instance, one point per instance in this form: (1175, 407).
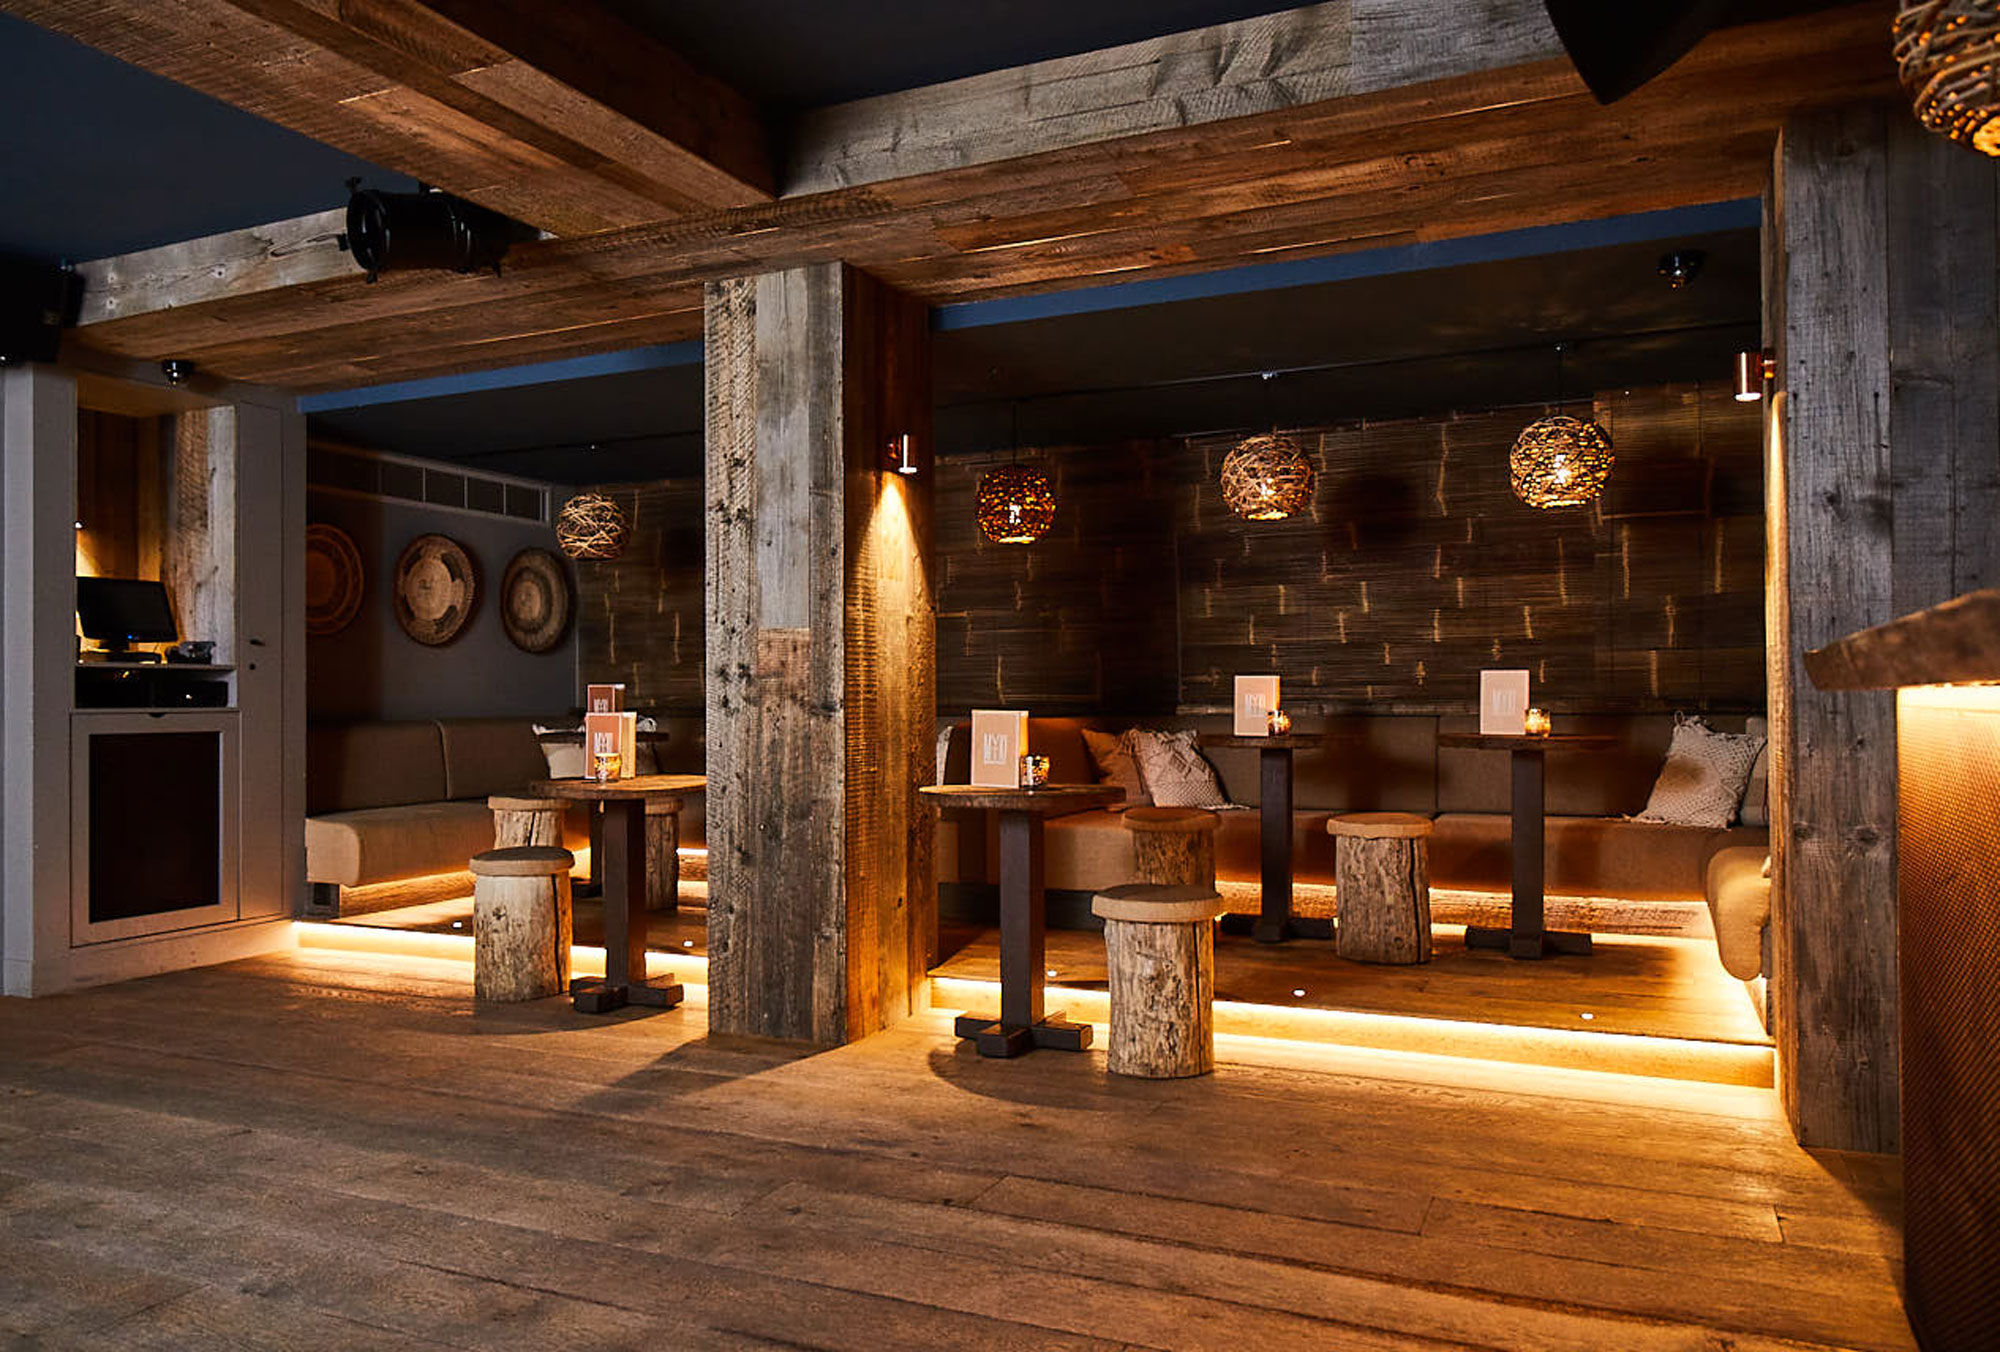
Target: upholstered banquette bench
(392, 801)
(1391, 763)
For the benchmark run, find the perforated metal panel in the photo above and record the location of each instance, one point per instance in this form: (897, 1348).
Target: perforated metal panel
(1949, 853)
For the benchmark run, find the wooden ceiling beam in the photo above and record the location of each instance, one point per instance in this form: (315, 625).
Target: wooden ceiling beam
(1468, 154)
(553, 112)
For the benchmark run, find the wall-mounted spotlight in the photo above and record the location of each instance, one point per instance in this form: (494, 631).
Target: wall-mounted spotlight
(406, 231)
(1752, 370)
(176, 371)
(901, 455)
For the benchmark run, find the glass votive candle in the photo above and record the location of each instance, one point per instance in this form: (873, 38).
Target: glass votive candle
(1535, 722)
(1034, 771)
(1277, 722)
(605, 765)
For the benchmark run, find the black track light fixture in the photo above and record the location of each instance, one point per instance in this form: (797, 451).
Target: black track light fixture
(409, 231)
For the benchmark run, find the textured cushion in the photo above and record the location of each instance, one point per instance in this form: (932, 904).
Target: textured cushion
(1174, 771)
(1583, 856)
(1739, 902)
(384, 844)
(1087, 851)
(1702, 781)
(350, 766)
(1756, 808)
(1115, 756)
(484, 756)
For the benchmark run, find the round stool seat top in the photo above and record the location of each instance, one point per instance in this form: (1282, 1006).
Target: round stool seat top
(501, 802)
(663, 807)
(1379, 825)
(523, 861)
(1181, 820)
(1157, 903)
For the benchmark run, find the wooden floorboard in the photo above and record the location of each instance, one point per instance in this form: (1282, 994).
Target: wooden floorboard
(336, 1149)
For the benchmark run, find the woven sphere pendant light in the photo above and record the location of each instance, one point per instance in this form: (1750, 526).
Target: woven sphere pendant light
(1560, 462)
(1267, 478)
(590, 526)
(1948, 57)
(1016, 505)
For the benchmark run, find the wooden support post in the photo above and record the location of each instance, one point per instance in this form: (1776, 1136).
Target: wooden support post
(1881, 494)
(821, 656)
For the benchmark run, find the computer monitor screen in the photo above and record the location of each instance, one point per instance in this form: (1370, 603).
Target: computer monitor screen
(118, 611)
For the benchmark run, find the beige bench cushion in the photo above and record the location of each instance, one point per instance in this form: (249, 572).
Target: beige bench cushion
(1739, 902)
(1584, 856)
(350, 766)
(485, 756)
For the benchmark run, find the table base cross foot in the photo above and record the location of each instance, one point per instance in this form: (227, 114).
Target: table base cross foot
(1267, 929)
(994, 1038)
(596, 995)
(1546, 944)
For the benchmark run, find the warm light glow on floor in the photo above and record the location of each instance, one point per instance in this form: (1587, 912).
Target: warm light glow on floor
(1618, 1053)
(584, 960)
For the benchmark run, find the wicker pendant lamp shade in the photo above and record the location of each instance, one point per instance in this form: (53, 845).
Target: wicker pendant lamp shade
(1560, 462)
(1948, 56)
(1016, 505)
(1267, 478)
(590, 526)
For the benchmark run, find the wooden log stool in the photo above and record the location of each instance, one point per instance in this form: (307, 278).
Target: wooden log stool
(1382, 873)
(520, 923)
(1159, 947)
(526, 821)
(1174, 846)
(663, 853)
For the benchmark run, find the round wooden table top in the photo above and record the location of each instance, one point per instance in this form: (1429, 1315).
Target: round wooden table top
(638, 786)
(1518, 741)
(1049, 800)
(1286, 741)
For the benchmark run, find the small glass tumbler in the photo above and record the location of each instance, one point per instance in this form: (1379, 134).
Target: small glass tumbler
(1277, 722)
(1034, 771)
(1535, 723)
(605, 766)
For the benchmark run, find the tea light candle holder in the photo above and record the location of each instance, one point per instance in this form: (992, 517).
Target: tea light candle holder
(1278, 722)
(1034, 771)
(605, 766)
(1535, 723)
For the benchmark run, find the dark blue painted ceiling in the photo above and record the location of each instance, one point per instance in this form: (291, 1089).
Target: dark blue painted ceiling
(790, 54)
(98, 157)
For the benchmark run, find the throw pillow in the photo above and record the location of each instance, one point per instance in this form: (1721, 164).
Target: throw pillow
(1702, 782)
(1756, 809)
(1117, 764)
(1175, 772)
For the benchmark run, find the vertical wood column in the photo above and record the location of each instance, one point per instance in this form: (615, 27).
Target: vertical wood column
(1883, 482)
(821, 691)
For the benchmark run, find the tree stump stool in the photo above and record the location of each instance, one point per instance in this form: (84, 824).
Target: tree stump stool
(1159, 947)
(1174, 846)
(663, 853)
(1383, 886)
(520, 923)
(526, 821)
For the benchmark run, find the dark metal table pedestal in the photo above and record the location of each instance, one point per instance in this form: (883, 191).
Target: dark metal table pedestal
(1275, 922)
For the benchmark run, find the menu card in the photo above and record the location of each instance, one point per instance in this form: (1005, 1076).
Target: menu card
(1503, 700)
(999, 740)
(611, 732)
(1256, 696)
(604, 699)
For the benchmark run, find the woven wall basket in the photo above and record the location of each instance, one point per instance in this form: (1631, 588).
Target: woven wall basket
(535, 600)
(334, 579)
(435, 589)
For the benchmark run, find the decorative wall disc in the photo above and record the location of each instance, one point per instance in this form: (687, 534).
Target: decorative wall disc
(334, 579)
(535, 600)
(436, 586)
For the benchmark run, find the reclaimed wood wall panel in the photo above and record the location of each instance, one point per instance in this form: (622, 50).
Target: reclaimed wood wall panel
(1417, 569)
(639, 616)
